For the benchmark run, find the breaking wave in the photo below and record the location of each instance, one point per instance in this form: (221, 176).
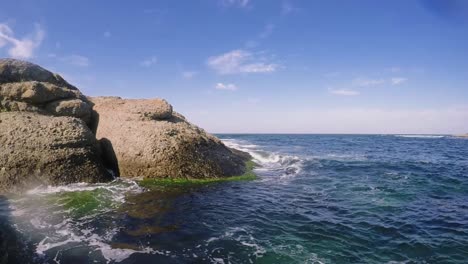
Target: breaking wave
(67, 217)
(287, 165)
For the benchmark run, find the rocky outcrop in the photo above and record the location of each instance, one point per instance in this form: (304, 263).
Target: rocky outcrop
(45, 134)
(150, 140)
(27, 87)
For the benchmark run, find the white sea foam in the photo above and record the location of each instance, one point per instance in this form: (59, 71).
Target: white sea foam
(290, 165)
(34, 214)
(117, 186)
(242, 236)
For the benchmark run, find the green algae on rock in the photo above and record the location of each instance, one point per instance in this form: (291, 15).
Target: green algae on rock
(158, 182)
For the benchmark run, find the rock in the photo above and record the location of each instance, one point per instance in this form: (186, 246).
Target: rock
(39, 149)
(151, 141)
(72, 107)
(12, 71)
(151, 109)
(45, 130)
(28, 87)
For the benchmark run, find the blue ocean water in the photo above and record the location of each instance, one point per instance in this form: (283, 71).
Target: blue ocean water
(318, 199)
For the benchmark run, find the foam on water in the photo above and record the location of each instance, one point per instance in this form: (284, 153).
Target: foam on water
(41, 212)
(320, 199)
(289, 165)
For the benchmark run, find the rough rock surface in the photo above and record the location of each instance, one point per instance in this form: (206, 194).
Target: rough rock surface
(151, 141)
(28, 87)
(45, 135)
(39, 149)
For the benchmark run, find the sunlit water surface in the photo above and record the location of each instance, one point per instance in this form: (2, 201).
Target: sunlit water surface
(318, 199)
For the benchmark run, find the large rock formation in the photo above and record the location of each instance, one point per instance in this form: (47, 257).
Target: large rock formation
(150, 140)
(28, 87)
(45, 134)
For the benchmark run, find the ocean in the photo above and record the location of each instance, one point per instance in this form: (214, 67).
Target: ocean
(317, 199)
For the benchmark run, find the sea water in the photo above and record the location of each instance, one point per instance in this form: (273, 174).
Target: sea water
(317, 199)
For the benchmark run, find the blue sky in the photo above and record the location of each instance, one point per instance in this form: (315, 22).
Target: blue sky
(254, 66)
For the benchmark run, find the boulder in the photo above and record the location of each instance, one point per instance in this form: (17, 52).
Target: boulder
(150, 141)
(28, 87)
(39, 149)
(45, 134)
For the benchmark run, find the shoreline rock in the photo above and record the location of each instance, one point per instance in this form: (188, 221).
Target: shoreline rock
(48, 132)
(152, 141)
(45, 130)
(27, 87)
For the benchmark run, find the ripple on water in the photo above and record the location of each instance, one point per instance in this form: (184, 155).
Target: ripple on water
(319, 199)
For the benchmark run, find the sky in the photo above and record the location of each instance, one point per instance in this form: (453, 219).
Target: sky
(261, 66)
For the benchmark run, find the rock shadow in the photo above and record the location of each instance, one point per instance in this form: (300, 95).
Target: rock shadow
(109, 157)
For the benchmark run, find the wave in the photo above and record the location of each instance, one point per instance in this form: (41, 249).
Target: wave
(59, 214)
(287, 165)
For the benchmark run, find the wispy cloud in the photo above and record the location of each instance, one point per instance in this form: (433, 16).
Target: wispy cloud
(76, 60)
(227, 86)
(240, 61)
(332, 74)
(394, 69)
(365, 82)
(267, 31)
(107, 34)
(288, 8)
(149, 61)
(398, 80)
(237, 3)
(22, 48)
(344, 92)
(189, 74)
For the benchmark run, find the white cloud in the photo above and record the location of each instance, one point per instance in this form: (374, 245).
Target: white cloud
(398, 80)
(76, 60)
(227, 86)
(365, 82)
(22, 48)
(239, 61)
(239, 3)
(149, 61)
(344, 92)
(189, 74)
(394, 69)
(107, 34)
